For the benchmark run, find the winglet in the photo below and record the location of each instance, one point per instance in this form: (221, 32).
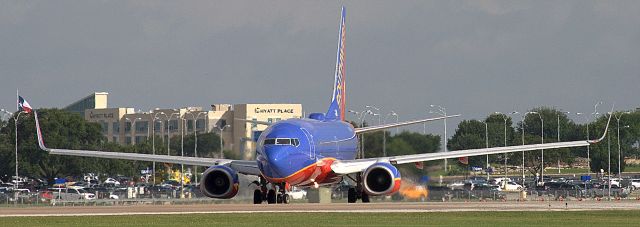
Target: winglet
(606, 129)
(39, 133)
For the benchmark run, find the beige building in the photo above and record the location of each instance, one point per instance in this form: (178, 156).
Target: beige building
(233, 122)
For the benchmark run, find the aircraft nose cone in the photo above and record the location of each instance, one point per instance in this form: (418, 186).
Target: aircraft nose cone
(276, 157)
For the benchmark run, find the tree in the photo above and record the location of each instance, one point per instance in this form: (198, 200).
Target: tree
(208, 145)
(61, 129)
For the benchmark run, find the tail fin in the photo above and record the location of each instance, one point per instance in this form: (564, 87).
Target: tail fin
(337, 108)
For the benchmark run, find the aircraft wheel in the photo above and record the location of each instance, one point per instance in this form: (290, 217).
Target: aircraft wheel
(279, 198)
(352, 196)
(271, 196)
(365, 198)
(257, 196)
(286, 199)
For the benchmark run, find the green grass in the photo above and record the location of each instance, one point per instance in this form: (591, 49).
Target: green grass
(542, 218)
(632, 168)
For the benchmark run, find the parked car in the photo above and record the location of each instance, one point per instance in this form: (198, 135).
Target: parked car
(616, 191)
(111, 181)
(635, 184)
(71, 193)
(512, 186)
(297, 193)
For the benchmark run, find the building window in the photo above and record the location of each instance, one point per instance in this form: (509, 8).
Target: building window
(115, 139)
(223, 122)
(157, 127)
(127, 127)
(104, 126)
(189, 125)
(116, 127)
(142, 126)
(200, 124)
(127, 139)
(173, 125)
(140, 139)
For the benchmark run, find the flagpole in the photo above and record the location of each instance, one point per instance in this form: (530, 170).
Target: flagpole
(15, 121)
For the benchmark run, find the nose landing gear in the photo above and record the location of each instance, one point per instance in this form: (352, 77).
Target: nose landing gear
(270, 195)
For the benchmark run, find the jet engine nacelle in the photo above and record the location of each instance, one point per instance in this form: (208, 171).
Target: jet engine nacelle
(381, 179)
(219, 182)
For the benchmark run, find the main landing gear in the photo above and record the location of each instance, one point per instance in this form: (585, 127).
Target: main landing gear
(357, 192)
(270, 195)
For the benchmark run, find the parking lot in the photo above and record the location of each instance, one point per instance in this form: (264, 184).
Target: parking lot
(121, 190)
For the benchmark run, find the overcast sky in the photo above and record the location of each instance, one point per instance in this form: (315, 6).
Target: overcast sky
(472, 57)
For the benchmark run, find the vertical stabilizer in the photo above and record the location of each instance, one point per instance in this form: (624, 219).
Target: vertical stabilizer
(337, 108)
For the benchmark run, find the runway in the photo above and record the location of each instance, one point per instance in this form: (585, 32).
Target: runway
(308, 208)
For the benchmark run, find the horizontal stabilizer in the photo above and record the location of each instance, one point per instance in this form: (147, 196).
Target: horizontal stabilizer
(254, 121)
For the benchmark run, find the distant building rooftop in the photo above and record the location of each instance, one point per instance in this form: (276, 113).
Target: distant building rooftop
(97, 100)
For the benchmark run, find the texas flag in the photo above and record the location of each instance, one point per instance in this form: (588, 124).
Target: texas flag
(23, 105)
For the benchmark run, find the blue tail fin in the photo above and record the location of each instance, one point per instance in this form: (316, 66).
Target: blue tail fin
(337, 108)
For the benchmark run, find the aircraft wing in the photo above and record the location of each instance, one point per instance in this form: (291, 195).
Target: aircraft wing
(393, 125)
(242, 166)
(359, 165)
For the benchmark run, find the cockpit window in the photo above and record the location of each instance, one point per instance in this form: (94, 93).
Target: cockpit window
(282, 141)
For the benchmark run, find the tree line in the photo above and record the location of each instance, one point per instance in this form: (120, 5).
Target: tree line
(62, 129)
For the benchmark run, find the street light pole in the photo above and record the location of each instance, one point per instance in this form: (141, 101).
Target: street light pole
(443, 112)
(15, 122)
(504, 118)
(153, 143)
(221, 128)
(169, 132)
(384, 135)
(618, 117)
(595, 115)
(609, 161)
(364, 116)
(377, 113)
(542, 154)
(524, 116)
(195, 134)
(588, 158)
(486, 141)
(558, 115)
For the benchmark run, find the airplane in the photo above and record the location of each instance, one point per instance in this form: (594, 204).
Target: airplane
(316, 151)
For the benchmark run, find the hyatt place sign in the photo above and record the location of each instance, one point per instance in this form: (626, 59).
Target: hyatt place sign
(259, 110)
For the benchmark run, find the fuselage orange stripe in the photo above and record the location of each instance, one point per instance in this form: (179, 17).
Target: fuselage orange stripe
(299, 171)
